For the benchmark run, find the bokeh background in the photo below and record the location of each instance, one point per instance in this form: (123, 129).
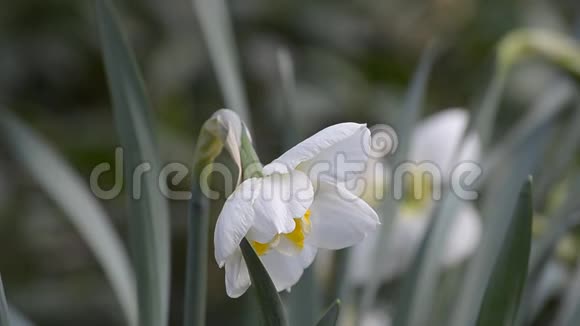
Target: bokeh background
(353, 62)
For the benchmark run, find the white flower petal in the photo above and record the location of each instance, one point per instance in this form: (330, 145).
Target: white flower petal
(287, 247)
(307, 255)
(351, 139)
(344, 161)
(235, 219)
(406, 236)
(464, 236)
(284, 270)
(405, 241)
(375, 317)
(361, 259)
(436, 139)
(259, 234)
(237, 276)
(339, 218)
(283, 197)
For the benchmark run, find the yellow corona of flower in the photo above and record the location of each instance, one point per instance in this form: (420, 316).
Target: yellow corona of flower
(299, 205)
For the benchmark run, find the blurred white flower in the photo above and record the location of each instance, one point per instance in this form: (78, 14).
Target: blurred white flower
(434, 140)
(375, 317)
(288, 214)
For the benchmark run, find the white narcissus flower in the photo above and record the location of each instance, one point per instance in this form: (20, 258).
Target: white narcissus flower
(290, 212)
(434, 140)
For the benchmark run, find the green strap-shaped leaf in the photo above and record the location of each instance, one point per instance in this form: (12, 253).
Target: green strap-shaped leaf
(483, 120)
(197, 252)
(63, 185)
(330, 316)
(17, 318)
(217, 30)
(515, 46)
(4, 315)
(564, 221)
(268, 298)
(149, 218)
(497, 211)
(545, 108)
(406, 121)
(563, 157)
(502, 296)
(569, 312)
(420, 282)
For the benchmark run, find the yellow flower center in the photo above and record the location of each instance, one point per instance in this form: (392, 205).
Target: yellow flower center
(418, 193)
(297, 235)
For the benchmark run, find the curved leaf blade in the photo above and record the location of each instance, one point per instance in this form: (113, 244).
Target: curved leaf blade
(498, 207)
(330, 316)
(149, 217)
(197, 257)
(218, 32)
(503, 293)
(408, 116)
(65, 187)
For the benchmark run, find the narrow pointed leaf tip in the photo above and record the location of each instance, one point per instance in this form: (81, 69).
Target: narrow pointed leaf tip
(503, 293)
(330, 316)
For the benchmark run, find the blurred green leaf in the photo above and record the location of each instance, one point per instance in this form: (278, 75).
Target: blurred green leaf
(4, 319)
(406, 121)
(569, 312)
(483, 121)
(556, 47)
(66, 188)
(217, 30)
(502, 296)
(420, 282)
(197, 252)
(330, 316)
(303, 301)
(339, 287)
(545, 108)
(497, 210)
(565, 219)
(414, 100)
(17, 318)
(268, 298)
(563, 156)
(149, 217)
(219, 132)
(287, 123)
(511, 49)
